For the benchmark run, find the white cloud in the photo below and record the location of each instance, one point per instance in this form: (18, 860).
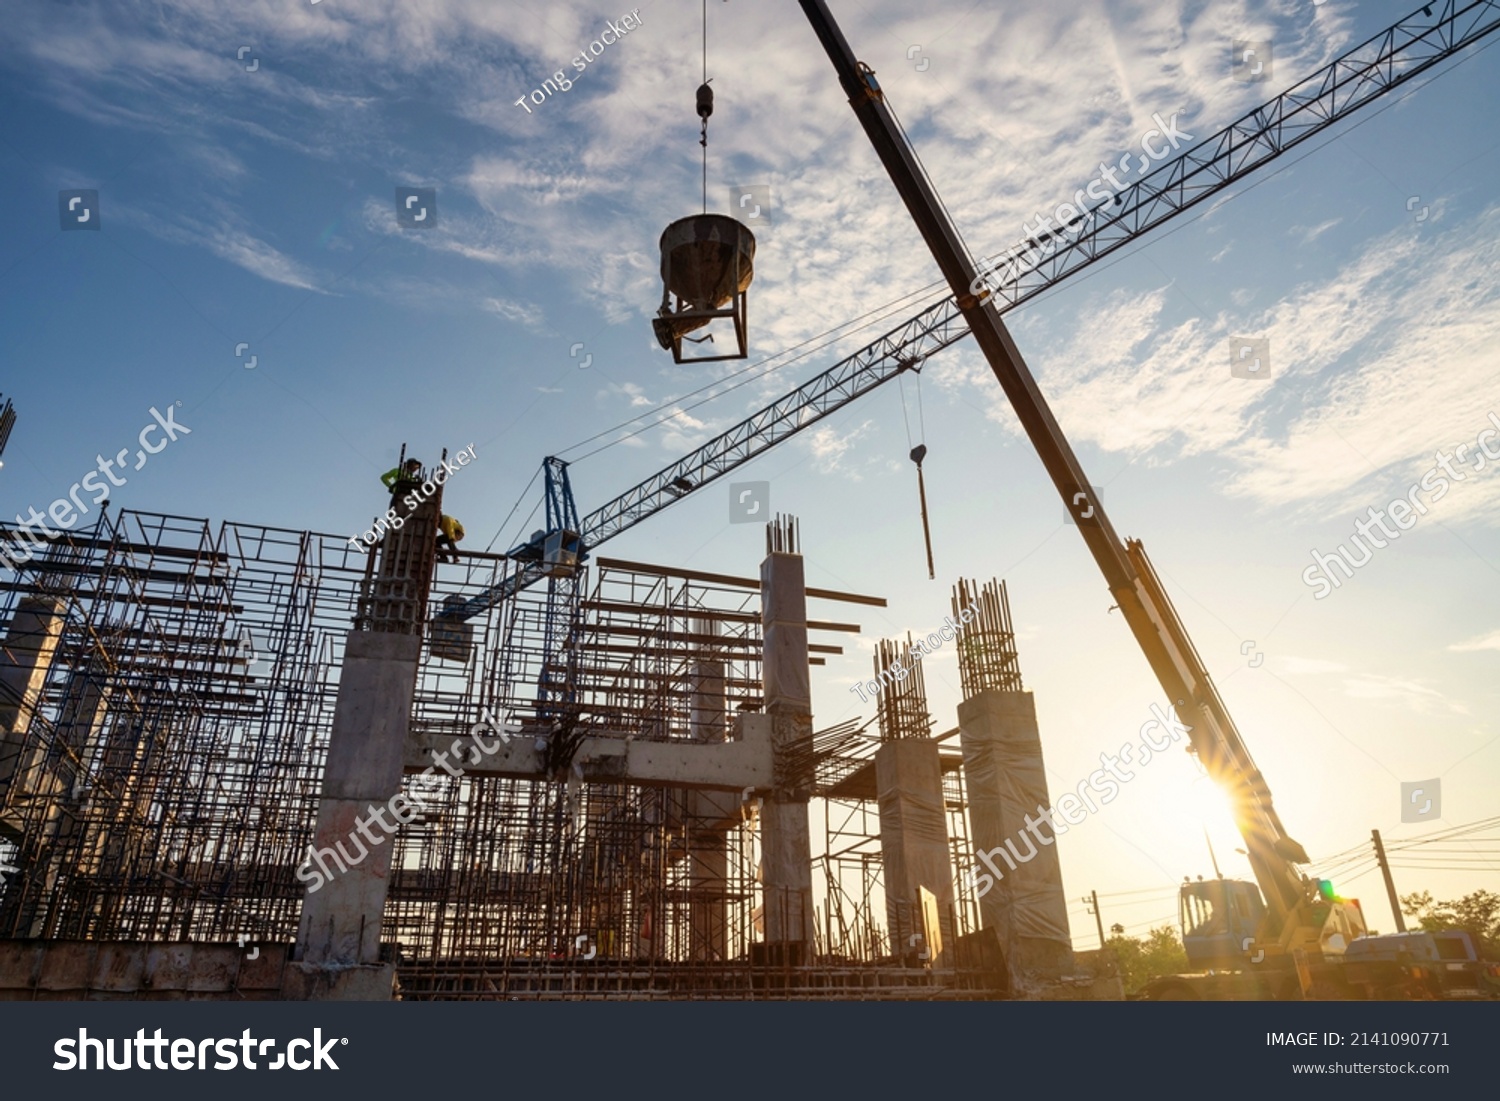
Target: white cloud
(829, 446)
(225, 238)
(1373, 373)
(1308, 234)
(259, 258)
(526, 314)
(1413, 694)
(581, 187)
(1422, 379)
(1297, 667)
(1490, 641)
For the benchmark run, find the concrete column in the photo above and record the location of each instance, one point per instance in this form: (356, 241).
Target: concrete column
(56, 780)
(913, 843)
(708, 858)
(786, 844)
(1006, 782)
(348, 871)
(25, 659)
(82, 718)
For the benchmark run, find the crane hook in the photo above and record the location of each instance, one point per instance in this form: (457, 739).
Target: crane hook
(705, 108)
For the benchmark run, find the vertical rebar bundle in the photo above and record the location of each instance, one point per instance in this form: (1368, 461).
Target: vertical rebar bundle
(902, 703)
(782, 536)
(987, 656)
(400, 573)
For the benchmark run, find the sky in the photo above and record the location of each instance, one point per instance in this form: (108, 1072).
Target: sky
(249, 272)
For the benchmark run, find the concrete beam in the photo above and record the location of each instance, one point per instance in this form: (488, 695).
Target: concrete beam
(734, 766)
(72, 970)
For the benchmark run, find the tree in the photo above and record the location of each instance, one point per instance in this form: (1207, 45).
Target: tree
(1477, 914)
(1142, 959)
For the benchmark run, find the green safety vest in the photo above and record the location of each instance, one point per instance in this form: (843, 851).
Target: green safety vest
(392, 476)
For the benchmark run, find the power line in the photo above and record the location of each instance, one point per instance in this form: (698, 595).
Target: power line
(857, 324)
(1142, 891)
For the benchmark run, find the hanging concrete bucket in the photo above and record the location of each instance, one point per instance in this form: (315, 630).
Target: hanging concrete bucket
(707, 262)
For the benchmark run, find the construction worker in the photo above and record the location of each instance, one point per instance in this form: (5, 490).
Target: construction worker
(450, 531)
(393, 477)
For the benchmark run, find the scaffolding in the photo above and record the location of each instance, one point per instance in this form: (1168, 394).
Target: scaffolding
(504, 876)
(165, 776)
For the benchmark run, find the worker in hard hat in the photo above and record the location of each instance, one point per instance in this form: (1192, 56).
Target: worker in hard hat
(450, 531)
(411, 472)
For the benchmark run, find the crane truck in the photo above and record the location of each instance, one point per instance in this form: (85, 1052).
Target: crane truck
(1298, 929)
(1221, 919)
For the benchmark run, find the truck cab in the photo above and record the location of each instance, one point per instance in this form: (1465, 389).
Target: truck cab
(1219, 919)
(1239, 956)
(1422, 965)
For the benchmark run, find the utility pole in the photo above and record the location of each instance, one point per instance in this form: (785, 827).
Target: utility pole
(1390, 884)
(1093, 903)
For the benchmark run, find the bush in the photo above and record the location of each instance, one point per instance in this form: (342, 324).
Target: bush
(1142, 959)
(1477, 914)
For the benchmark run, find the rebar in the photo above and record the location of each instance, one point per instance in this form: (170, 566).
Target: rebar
(987, 656)
(902, 702)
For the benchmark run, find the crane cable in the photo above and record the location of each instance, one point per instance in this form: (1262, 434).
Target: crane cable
(705, 106)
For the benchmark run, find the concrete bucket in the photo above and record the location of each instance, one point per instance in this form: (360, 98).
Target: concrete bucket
(707, 263)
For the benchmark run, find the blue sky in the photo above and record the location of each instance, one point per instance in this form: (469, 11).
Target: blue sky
(246, 157)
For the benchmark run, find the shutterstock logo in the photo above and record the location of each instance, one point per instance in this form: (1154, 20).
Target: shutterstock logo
(749, 502)
(160, 1053)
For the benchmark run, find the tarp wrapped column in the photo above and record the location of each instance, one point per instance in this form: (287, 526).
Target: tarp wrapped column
(914, 845)
(1006, 781)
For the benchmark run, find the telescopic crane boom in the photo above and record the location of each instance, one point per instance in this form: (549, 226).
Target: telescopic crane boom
(1131, 580)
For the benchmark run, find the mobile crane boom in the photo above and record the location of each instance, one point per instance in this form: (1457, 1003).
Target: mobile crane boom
(1128, 573)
